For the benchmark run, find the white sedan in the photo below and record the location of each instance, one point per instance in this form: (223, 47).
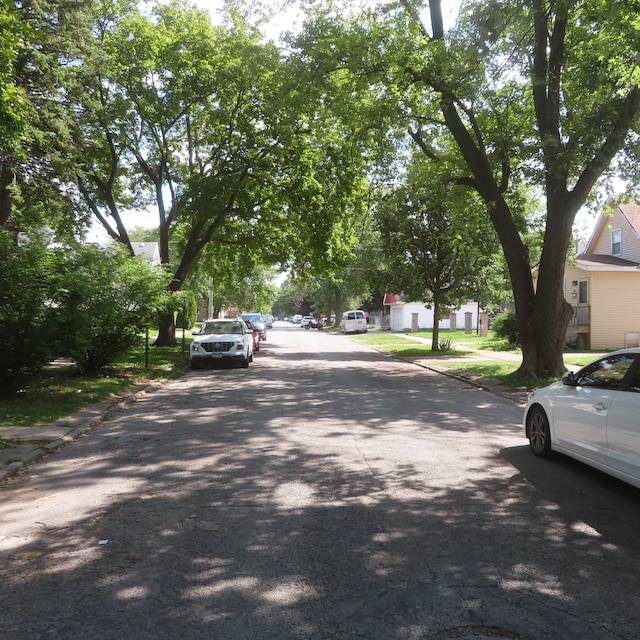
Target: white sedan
(592, 415)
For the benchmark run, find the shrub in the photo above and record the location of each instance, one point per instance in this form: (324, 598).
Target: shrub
(445, 345)
(190, 305)
(28, 315)
(107, 300)
(505, 327)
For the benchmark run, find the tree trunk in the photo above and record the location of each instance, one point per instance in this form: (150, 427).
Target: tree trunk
(435, 338)
(338, 306)
(166, 331)
(7, 177)
(546, 325)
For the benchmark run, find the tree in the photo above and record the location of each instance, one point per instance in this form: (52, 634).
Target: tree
(436, 242)
(577, 91)
(208, 125)
(30, 322)
(30, 118)
(105, 300)
(532, 92)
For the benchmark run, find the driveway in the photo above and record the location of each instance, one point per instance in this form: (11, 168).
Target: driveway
(327, 492)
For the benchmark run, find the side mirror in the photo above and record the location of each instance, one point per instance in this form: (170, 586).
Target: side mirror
(569, 379)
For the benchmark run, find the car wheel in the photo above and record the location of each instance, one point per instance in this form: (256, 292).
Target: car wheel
(538, 432)
(245, 362)
(195, 365)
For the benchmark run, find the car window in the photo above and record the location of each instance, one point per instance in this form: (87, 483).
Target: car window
(606, 373)
(634, 385)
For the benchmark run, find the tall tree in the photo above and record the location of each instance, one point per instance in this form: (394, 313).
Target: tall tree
(436, 242)
(32, 55)
(539, 92)
(208, 126)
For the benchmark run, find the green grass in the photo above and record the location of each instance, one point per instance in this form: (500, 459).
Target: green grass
(401, 345)
(59, 392)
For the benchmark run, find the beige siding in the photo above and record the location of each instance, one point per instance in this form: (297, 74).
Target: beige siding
(573, 274)
(615, 308)
(630, 240)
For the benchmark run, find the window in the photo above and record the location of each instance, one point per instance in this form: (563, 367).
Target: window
(606, 373)
(616, 242)
(583, 297)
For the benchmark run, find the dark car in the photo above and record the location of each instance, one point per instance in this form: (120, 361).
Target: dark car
(258, 322)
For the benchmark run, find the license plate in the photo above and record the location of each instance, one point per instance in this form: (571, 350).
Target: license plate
(216, 355)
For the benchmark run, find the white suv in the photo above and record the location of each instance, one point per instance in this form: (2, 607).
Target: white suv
(220, 340)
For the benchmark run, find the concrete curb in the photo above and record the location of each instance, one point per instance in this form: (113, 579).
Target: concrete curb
(486, 384)
(16, 459)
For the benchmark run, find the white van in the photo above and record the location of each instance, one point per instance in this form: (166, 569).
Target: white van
(353, 322)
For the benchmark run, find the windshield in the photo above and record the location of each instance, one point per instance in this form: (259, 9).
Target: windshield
(221, 327)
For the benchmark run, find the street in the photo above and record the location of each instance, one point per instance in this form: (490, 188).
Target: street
(327, 492)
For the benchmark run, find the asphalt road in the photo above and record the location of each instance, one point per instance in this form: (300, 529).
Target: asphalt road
(327, 492)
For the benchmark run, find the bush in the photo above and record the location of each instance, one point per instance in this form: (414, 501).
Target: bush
(446, 345)
(107, 301)
(505, 327)
(28, 315)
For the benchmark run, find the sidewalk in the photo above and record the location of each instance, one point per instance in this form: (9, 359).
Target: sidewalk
(32, 443)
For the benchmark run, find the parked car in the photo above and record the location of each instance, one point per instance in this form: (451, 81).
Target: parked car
(354, 322)
(257, 320)
(219, 340)
(307, 320)
(255, 333)
(592, 415)
(268, 320)
(297, 319)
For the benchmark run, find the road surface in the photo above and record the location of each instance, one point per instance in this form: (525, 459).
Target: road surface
(327, 492)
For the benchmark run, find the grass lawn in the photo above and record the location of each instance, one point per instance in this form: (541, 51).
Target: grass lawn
(403, 346)
(382, 337)
(58, 392)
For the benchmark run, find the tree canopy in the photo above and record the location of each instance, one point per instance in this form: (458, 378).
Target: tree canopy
(208, 128)
(531, 92)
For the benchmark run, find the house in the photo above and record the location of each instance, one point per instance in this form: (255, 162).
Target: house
(148, 250)
(603, 284)
(401, 314)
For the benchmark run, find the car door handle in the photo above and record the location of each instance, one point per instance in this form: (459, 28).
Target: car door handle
(600, 406)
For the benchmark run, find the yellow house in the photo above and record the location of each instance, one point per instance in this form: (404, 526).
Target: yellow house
(603, 285)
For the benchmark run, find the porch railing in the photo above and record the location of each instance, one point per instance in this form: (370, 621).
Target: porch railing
(581, 317)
